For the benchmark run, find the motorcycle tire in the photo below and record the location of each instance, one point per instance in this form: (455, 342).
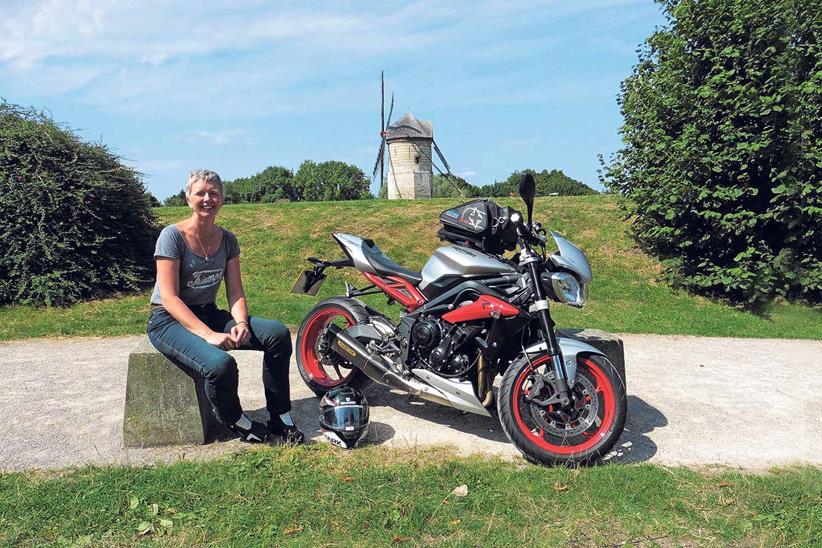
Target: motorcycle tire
(320, 368)
(550, 435)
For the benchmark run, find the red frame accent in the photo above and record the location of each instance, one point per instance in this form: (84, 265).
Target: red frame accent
(602, 386)
(482, 308)
(394, 287)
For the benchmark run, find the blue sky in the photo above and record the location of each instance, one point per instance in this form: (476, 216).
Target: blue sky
(236, 86)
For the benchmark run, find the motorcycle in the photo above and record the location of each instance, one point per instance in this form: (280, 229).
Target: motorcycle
(469, 316)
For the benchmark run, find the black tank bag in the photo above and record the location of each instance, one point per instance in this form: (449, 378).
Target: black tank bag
(480, 224)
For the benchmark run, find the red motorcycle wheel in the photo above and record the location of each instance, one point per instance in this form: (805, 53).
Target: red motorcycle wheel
(319, 366)
(552, 435)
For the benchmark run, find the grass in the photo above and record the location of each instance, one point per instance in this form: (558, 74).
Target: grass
(316, 495)
(626, 295)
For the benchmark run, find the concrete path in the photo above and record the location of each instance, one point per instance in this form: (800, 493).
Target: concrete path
(745, 403)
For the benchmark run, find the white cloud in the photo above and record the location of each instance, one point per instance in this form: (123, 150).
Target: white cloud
(154, 59)
(220, 137)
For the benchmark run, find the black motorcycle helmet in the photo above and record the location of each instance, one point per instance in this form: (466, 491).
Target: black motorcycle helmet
(344, 416)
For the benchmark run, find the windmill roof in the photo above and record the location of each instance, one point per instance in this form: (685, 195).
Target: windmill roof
(409, 127)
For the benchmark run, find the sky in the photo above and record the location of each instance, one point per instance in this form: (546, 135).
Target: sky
(236, 86)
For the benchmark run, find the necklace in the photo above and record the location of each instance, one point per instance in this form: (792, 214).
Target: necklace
(205, 251)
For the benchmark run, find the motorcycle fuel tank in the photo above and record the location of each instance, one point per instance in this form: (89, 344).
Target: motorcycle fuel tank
(460, 261)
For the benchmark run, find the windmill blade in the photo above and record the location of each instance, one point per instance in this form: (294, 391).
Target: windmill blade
(442, 157)
(390, 112)
(448, 175)
(378, 163)
(382, 103)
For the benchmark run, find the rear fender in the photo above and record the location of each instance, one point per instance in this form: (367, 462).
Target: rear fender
(570, 348)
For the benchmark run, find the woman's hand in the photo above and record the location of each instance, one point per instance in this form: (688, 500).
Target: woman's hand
(221, 340)
(240, 334)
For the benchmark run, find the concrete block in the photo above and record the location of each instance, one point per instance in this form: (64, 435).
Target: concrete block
(608, 344)
(164, 404)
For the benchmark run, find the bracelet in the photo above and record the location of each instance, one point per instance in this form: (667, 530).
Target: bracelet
(246, 323)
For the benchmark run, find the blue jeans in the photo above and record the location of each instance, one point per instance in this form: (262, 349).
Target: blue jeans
(217, 367)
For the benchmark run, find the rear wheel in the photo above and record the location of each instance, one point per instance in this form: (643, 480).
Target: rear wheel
(550, 434)
(320, 367)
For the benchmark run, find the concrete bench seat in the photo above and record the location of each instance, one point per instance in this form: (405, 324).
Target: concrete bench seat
(164, 404)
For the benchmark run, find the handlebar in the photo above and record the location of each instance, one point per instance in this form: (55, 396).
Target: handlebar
(533, 234)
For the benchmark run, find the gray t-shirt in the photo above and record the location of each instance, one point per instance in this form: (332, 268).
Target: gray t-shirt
(199, 279)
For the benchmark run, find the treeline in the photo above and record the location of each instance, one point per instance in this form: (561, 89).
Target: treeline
(332, 180)
(549, 183)
(324, 181)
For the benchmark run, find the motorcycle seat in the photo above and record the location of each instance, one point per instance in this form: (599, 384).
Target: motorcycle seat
(385, 266)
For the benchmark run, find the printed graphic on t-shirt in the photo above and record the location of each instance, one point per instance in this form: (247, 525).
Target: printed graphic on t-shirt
(205, 278)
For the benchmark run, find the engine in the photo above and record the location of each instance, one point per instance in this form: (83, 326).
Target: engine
(446, 349)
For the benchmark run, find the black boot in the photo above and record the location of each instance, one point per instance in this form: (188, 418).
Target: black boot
(257, 433)
(285, 433)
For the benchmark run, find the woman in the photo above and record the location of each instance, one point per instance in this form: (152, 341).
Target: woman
(193, 256)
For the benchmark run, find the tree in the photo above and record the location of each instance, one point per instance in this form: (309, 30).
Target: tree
(330, 180)
(177, 200)
(270, 185)
(497, 189)
(720, 168)
(445, 188)
(75, 222)
(151, 199)
(548, 183)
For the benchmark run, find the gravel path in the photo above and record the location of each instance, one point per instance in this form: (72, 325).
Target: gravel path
(743, 403)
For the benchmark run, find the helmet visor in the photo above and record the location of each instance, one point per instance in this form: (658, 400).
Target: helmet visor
(346, 417)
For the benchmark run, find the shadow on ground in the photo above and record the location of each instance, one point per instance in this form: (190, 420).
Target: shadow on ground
(633, 446)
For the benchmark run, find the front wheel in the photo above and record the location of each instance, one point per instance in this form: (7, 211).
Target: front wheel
(550, 434)
(320, 367)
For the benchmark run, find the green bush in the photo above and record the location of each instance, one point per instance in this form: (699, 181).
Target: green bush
(74, 222)
(548, 183)
(272, 184)
(723, 148)
(176, 200)
(446, 187)
(330, 180)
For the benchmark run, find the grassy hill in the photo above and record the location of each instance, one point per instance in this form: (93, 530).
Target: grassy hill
(625, 295)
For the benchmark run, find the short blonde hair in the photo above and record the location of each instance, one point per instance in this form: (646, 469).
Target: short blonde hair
(206, 176)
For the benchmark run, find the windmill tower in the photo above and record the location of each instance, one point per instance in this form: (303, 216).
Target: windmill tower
(410, 168)
(409, 144)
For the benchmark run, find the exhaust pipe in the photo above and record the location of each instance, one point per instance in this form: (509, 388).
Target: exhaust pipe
(377, 369)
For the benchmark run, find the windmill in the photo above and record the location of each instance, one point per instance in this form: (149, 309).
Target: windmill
(408, 144)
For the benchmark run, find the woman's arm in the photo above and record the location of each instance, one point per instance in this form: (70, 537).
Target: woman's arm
(236, 301)
(168, 278)
(234, 290)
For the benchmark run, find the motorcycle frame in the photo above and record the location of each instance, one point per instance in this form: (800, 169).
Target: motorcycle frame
(403, 292)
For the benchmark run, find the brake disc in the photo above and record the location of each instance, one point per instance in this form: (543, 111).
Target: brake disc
(564, 423)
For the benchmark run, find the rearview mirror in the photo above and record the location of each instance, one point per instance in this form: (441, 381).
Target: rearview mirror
(527, 189)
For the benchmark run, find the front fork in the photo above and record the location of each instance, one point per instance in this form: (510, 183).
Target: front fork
(560, 381)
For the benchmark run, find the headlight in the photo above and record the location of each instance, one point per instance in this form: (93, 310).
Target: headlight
(568, 290)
